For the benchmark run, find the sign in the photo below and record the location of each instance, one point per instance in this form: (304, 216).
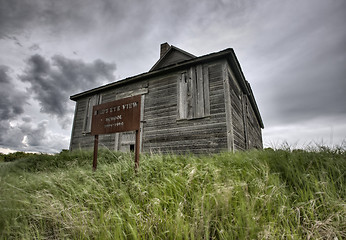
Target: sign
(118, 116)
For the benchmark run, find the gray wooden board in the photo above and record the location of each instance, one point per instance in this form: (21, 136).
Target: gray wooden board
(162, 130)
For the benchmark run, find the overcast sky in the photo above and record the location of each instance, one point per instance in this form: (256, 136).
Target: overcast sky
(293, 53)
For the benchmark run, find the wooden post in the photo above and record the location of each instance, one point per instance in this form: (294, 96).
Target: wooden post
(96, 144)
(122, 115)
(137, 150)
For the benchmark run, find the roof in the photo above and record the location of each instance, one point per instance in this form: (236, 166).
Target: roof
(160, 68)
(172, 55)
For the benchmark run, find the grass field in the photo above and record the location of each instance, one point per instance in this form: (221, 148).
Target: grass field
(269, 194)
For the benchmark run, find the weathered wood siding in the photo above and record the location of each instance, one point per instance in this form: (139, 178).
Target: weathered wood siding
(254, 129)
(247, 133)
(164, 132)
(115, 141)
(163, 128)
(174, 57)
(78, 139)
(237, 113)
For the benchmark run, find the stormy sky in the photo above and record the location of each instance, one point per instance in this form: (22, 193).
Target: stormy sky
(293, 53)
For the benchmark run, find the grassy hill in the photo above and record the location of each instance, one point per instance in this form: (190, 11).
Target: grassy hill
(270, 194)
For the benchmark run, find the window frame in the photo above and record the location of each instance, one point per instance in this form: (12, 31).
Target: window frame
(193, 93)
(91, 101)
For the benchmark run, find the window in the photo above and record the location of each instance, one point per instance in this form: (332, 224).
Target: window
(193, 93)
(91, 101)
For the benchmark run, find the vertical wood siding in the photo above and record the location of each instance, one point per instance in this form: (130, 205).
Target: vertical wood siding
(174, 57)
(254, 130)
(115, 141)
(162, 128)
(247, 132)
(164, 132)
(237, 113)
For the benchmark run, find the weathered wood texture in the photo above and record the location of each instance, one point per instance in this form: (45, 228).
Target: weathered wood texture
(174, 57)
(247, 132)
(254, 130)
(193, 93)
(116, 141)
(164, 130)
(237, 113)
(228, 108)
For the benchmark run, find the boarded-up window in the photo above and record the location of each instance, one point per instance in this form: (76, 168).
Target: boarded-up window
(91, 101)
(193, 93)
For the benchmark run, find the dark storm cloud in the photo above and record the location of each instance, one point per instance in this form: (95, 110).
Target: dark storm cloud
(65, 16)
(127, 18)
(18, 16)
(35, 136)
(12, 100)
(25, 135)
(302, 59)
(11, 104)
(27, 119)
(30, 136)
(14, 16)
(53, 81)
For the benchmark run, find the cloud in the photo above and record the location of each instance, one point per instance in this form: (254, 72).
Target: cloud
(26, 119)
(299, 61)
(12, 100)
(11, 104)
(29, 136)
(34, 47)
(325, 132)
(78, 17)
(292, 53)
(53, 81)
(34, 136)
(19, 17)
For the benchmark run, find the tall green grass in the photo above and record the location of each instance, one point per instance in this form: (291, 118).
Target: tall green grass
(270, 194)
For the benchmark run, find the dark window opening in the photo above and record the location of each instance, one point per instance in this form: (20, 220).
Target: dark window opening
(132, 147)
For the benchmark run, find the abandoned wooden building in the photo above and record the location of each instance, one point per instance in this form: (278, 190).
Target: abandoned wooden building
(188, 104)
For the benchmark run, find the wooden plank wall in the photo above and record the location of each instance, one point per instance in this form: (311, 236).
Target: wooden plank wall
(246, 129)
(163, 132)
(78, 139)
(237, 113)
(174, 57)
(254, 129)
(115, 141)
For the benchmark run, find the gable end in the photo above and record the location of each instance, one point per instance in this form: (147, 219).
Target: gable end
(172, 56)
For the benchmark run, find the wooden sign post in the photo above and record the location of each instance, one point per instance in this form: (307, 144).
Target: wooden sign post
(118, 116)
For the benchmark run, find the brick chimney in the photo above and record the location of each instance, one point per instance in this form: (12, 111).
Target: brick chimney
(164, 48)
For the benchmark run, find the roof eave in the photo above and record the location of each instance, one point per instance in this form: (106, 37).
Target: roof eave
(153, 73)
(245, 84)
(227, 53)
